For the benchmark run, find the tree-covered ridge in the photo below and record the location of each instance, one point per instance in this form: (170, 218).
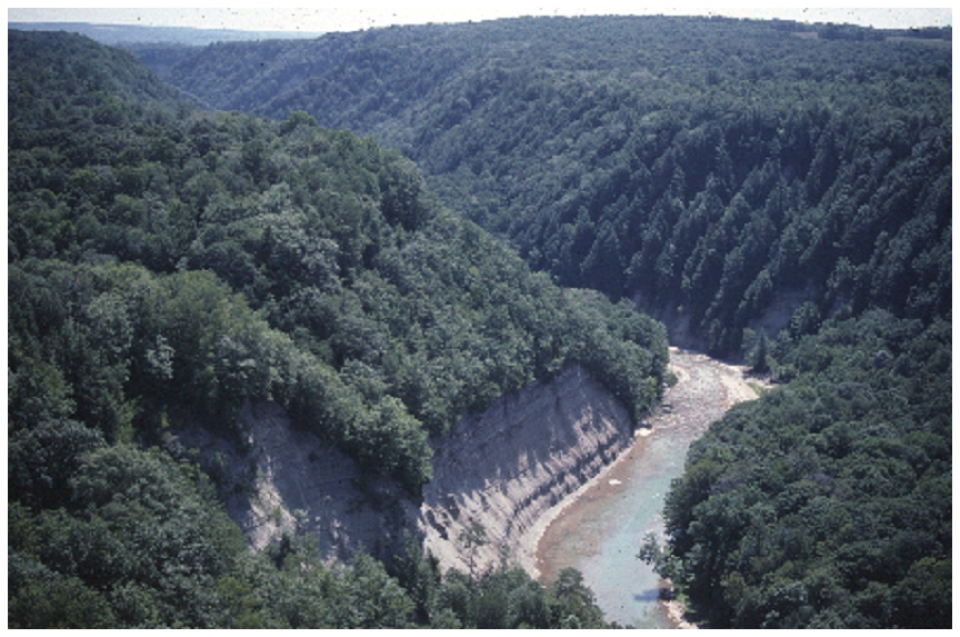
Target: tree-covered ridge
(703, 167)
(138, 540)
(826, 503)
(328, 239)
(101, 84)
(165, 265)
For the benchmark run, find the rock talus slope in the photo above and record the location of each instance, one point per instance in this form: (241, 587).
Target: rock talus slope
(283, 480)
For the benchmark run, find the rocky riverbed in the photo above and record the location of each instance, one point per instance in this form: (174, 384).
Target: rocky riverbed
(600, 530)
(556, 474)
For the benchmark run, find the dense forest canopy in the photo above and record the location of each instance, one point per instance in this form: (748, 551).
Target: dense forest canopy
(167, 264)
(750, 183)
(711, 169)
(769, 189)
(827, 503)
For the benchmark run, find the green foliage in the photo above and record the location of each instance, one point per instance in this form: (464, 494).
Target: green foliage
(49, 602)
(275, 262)
(470, 539)
(42, 459)
(167, 265)
(821, 503)
(506, 597)
(729, 175)
(135, 536)
(709, 168)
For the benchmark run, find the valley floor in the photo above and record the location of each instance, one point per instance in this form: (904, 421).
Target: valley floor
(598, 530)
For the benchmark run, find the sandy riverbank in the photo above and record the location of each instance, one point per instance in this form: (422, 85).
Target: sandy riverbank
(705, 390)
(597, 486)
(511, 469)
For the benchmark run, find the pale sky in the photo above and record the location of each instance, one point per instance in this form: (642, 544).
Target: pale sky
(361, 15)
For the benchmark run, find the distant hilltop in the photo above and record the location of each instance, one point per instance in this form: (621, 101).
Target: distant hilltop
(122, 34)
(133, 34)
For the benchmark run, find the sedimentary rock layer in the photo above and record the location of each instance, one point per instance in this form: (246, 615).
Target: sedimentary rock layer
(506, 467)
(502, 469)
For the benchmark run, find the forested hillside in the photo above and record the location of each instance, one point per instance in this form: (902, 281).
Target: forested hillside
(720, 172)
(769, 189)
(828, 503)
(166, 265)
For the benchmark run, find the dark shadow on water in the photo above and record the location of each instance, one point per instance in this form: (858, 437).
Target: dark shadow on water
(649, 595)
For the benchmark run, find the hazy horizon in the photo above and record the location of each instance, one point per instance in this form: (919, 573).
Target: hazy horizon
(328, 19)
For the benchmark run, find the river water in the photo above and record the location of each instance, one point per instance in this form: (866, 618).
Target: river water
(600, 533)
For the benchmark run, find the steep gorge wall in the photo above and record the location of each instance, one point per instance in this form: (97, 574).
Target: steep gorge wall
(287, 481)
(507, 467)
(504, 468)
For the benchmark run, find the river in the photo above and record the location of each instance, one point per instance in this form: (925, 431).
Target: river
(600, 532)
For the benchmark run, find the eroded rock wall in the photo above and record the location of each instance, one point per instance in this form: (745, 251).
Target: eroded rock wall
(505, 468)
(287, 480)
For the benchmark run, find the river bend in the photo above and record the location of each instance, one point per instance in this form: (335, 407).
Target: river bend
(600, 532)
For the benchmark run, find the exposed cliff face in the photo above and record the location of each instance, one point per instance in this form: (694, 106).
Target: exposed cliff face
(289, 481)
(508, 466)
(504, 469)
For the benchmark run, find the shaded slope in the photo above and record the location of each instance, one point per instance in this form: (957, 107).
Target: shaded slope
(375, 316)
(709, 169)
(170, 267)
(826, 503)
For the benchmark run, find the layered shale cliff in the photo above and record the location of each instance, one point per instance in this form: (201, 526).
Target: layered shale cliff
(285, 481)
(507, 467)
(503, 469)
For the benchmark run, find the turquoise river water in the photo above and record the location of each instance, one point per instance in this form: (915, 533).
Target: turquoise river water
(601, 531)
